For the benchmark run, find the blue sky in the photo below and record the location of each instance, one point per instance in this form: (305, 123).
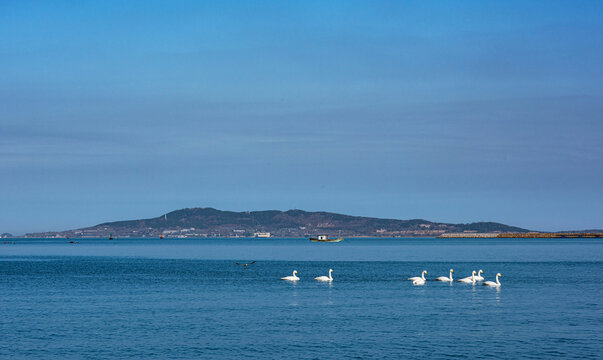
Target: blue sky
(448, 111)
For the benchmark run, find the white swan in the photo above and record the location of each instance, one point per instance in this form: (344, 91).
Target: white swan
(325, 278)
(444, 278)
(479, 277)
(292, 277)
(492, 283)
(418, 281)
(468, 279)
(422, 277)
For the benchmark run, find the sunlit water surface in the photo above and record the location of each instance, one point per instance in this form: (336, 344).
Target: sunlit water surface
(185, 299)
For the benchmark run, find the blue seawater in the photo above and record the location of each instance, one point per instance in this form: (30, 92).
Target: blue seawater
(187, 299)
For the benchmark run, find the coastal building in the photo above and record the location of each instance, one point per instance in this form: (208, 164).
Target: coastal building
(262, 234)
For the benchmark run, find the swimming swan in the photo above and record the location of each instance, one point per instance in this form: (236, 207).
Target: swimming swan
(468, 279)
(422, 277)
(325, 278)
(292, 277)
(444, 278)
(479, 277)
(418, 281)
(492, 283)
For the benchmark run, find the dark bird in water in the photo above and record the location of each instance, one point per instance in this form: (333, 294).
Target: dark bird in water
(246, 265)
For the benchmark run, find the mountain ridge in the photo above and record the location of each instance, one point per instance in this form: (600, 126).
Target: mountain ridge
(211, 222)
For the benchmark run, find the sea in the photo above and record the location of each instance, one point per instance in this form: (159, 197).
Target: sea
(188, 299)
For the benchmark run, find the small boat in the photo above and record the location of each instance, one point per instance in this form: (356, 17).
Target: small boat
(325, 238)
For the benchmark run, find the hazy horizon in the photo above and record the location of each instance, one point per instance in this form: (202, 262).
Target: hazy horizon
(448, 112)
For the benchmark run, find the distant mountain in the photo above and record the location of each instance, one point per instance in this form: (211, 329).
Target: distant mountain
(209, 222)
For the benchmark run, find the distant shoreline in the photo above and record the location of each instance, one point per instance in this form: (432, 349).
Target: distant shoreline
(532, 235)
(214, 223)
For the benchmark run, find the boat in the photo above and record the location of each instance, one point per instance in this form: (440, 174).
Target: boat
(325, 238)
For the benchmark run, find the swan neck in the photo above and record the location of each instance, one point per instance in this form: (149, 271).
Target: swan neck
(497, 280)
(423, 275)
(450, 276)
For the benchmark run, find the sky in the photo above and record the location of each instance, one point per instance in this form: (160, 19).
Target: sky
(447, 111)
